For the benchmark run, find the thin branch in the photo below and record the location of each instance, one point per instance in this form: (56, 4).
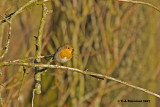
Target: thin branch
(140, 2)
(79, 71)
(4, 18)
(30, 58)
(8, 42)
(33, 97)
(13, 14)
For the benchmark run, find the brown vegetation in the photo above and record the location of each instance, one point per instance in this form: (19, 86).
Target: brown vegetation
(110, 39)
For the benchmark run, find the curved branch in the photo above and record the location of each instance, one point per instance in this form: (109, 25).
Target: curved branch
(140, 2)
(79, 71)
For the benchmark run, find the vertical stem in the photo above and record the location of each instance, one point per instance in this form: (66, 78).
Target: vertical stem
(8, 41)
(38, 49)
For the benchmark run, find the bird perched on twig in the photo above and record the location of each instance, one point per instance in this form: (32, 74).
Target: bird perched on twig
(63, 54)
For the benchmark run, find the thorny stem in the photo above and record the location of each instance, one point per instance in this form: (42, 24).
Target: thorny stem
(79, 71)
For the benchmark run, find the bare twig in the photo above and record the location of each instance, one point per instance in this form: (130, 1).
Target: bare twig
(30, 58)
(13, 14)
(33, 97)
(140, 2)
(79, 71)
(7, 43)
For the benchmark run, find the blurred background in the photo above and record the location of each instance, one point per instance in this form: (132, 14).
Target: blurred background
(118, 39)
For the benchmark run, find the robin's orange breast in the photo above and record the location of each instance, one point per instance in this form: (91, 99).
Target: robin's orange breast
(66, 53)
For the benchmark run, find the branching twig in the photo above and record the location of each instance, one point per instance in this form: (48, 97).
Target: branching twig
(79, 71)
(9, 20)
(13, 14)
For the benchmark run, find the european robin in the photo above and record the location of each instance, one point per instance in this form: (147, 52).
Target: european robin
(63, 54)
